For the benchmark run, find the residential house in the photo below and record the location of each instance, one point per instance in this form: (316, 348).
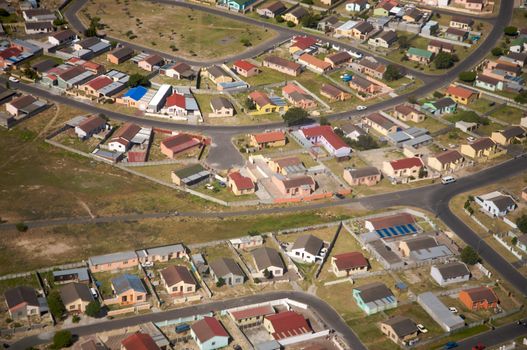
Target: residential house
(162, 253)
(517, 58)
(298, 97)
(399, 329)
(412, 15)
(334, 93)
(522, 242)
(151, 63)
(38, 15)
(268, 259)
(239, 184)
(38, 27)
(95, 86)
(180, 70)
(362, 30)
(227, 270)
(456, 34)
(43, 66)
(483, 147)
(488, 83)
(75, 297)
(462, 95)
(374, 297)
(408, 113)
(431, 28)
(251, 315)
(345, 30)
(328, 24)
(364, 86)
(79, 275)
(423, 248)
(295, 15)
(92, 46)
(237, 5)
(337, 59)
(209, 334)
(174, 145)
(436, 46)
(403, 168)
(271, 10)
(178, 280)
(282, 65)
(385, 39)
(287, 166)
(119, 55)
(439, 312)
(496, 203)
(268, 139)
(218, 75)
(447, 161)
(479, 298)
(463, 23)
(357, 5)
(113, 262)
(307, 248)
(286, 324)
(518, 45)
(137, 341)
(368, 176)
(62, 37)
(326, 137)
(190, 175)
(386, 7)
(181, 104)
(302, 43)
(419, 55)
(380, 123)
(24, 106)
(370, 66)
(121, 140)
(245, 68)
(472, 5)
(509, 135)
(298, 186)
(221, 107)
(90, 126)
(247, 242)
(445, 105)
(128, 289)
(450, 273)
(265, 104)
(22, 302)
(73, 76)
(314, 64)
(346, 264)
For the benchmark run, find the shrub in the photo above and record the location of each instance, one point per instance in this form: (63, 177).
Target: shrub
(62, 339)
(497, 51)
(290, 24)
(469, 256)
(467, 76)
(295, 116)
(93, 309)
(510, 30)
(21, 227)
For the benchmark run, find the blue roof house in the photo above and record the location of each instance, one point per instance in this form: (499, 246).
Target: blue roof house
(374, 297)
(136, 93)
(128, 289)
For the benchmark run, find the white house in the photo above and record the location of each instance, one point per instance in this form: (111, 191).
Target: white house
(450, 273)
(308, 249)
(496, 203)
(159, 99)
(209, 334)
(326, 137)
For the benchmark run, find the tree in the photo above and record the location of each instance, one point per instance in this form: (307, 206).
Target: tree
(267, 274)
(91, 31)
(62, 339)
(521, 97)
(21, 227)
(291, 24)
(392, 73)
(56, 307)
(521, 222)
(497, 51)
(363, 143)
(310, 21)
(249, 104)
(253, 233)
(4, 13)
(469, 256)
(246, 42)
(443, 60)
(93, 309)
(279, 19)
(324, 121)
(220, 283)
(467, 76)
(138, 79)
(422, 173)
(510, 30)
(57, 22)
(295, 116)
(469, 117)
(403, 42)
(514, 240)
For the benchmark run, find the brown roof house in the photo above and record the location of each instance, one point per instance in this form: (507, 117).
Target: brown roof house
(268, 139)
(350, 263)
(482, 148)
(119, 55)
(447, 161)
(334, 93)
(151, 62)
(407, 112)
(271, 10)
(228, 271)
(282, 65)
(178, 280)
(268, 262)
(76, 297)
(22, 302)
(511, 134)
(368, 176)
(90, 126)
(400, 329)
(221, 107)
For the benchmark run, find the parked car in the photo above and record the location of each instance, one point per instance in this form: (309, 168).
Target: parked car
(148, 264)
(14, 80)
(182, 328)
(451, 345)
(94, 293)
(453, 309)
(471, 139)
(361, 108)
(422, 328)
(479, 346)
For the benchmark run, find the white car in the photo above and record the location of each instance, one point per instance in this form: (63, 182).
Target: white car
(453, 309)
(361, 108)
(148, 264)
(94, 293)
(422, 328)
(14, 80)
(471, 139)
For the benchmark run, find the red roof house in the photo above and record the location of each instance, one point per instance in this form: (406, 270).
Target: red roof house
(252, 315)
(325, 135)
(173, 145)
(286, 324)
(403, 168)
(245, 68)
(302, 43)
(268, 139)
(240, 184)
(209, 330)
(139, 341)
(348, 263)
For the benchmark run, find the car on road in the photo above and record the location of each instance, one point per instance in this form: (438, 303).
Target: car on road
(361, 108)
(450, 345)
(14, 80)
(453, 309)
(421, 328)
(338, 196)
(479, 346)
(445, 180)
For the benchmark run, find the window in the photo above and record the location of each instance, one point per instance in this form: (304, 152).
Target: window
(139, 297)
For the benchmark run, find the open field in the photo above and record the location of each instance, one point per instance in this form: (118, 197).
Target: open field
(194, 33)
(508, 114)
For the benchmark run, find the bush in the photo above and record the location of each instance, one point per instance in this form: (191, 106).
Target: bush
(497, 51)
(295, 116)
(469, 256)
(220, 282)
(75, 319)
(93, 309)
(521, 97)
(138, 79)
(510, 30)
(392, 73)
(437, 94)
(521, 222)
(21, 227)
(324, 121)
(279, 19)
(62, 339)
(4, 13)
(363, 143)
(467, 76)
(290, 24)
(469, 117)
(514, 240)
(246, 42)
(443, 60)
(56, 307)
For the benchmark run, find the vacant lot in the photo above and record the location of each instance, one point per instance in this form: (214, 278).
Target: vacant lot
(173, 29)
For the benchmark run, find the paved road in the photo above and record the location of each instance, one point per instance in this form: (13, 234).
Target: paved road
(495, 337)
(324, 311)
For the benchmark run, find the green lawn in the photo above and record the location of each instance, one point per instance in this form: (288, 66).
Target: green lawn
(29, 281)
(429, 123)
(508, 114)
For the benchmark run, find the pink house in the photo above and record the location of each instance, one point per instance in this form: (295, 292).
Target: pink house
(150, 62)
(112, 262)
(473, 5)
(298, 186)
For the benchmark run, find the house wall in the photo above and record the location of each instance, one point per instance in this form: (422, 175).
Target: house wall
(436, 275)
(118, 265)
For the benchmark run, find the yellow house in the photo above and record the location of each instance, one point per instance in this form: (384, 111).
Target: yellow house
(481, 148)
(264, 105)
(461, 94)
(447, 161)
(510, 135)
(296, 15)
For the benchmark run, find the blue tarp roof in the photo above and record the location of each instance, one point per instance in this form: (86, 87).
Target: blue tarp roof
(136, 93)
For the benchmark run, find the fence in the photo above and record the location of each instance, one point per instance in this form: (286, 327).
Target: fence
(150, 287)
(328, 252)
(507, 246)
(127, 310)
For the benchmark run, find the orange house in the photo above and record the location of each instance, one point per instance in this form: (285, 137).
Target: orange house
(479, 298)
(129, 289)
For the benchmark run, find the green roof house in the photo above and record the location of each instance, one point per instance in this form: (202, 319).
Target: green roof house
(237, 5)
(518, 45)
(419, 55)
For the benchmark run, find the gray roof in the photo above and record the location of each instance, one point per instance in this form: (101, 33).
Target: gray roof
(21, 294)
(348, 128)
(401, 325)
(382, 249)
(423, 242)
(503, 202)
(126, 282)
(309, 243)
(363, 172)
(163, 251)
(452, 270)
(225, 266)
(440, 251)
(439, 312)
(74, 291)
(444, 102)
(81, 272)
(111, 258)
(219, 102)
(523, 238)
(374, 291)
(217, 71)
(266, 257)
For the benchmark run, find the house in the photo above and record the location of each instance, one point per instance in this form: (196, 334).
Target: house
(385, 39)
(121, 140)
(456, 34)
(282, 65)
(522, 242)
(151, 63)
(94, 86)
(138, 341)
(128, 289)
(380, 123)
(271, 10)
(419, 55)
(462, 95)
(221, 107)
(227, 270)
(463, 23)
(496, 203)
(346, 264)
(408, 113)
(247, 242)
(488, 83)
(390, 221)
(472, 5)
(362, 30)
(307, 248)
(509, 135)
(337, 59)
(268, 259)
(374, 297)
(245, 68)
(479, 298)
(180, 70)
(518, 45)
(286, 324)
(190, 175)
(399, 329)
(403, 168)
(22, 302)
(43, 66)
(439, 312)
(24, 106)
(38, 15)
(62, 37)
(38, 27)
(178, 280)
(352, 131)
(412, 15)
(368, 176)
(344, 30)
(239, 184)
(357, 5)
(483, 147)
(447, 161)
(328, 24)
(92, 46)
(209, 334)
(268, 139)
(298, 97)
(174, 145)
(450, 273)
(113, 262)
(302, 43)
(326, 137)
(334, 93)
(237, 5)
(517, 58)
(298, 186)
(162, 253)
(446, 105)
(287, 166)
(295, 15)
(265, 104)
(251, 315)
(79, 275)
(314, 64)
(413, 137)
(423, 248)
(75, 297)
(386, 7)
(370, 66)
(436, 46)
(120, 55)
(180, 104)
(363, 86)
(90, 126)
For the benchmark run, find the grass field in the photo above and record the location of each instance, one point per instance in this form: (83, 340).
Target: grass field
(508, 114)
(174, 29)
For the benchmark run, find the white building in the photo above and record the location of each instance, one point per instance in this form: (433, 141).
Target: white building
(450, 273)
(496, 203)
(308, 249)
(158, 101)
